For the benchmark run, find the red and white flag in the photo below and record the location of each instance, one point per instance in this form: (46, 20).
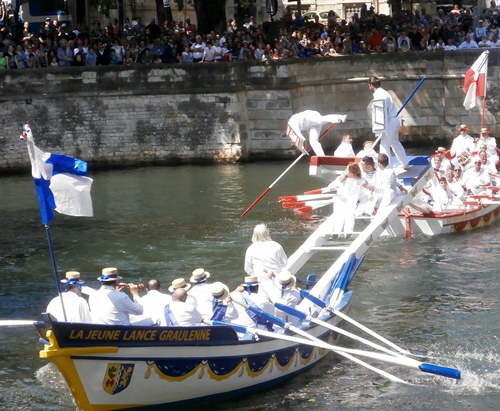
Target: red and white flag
(475, 81)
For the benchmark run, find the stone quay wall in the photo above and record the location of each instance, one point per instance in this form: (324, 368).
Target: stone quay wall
(115, 116)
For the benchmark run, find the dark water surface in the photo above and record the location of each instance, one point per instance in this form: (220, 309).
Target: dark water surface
(437, 295)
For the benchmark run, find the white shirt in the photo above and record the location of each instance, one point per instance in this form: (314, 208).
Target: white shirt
(290, 298)
(76, 308)
(109, 306)
(201, 293)
(309, 118)
(185, 314)
(153, 303)
(381, 94)
(344, 150)
(264, 256)
(468, 45)
(460, 144)
(474, 179)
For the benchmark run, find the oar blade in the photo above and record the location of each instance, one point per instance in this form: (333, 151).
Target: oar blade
(317, 191)
(439, 370)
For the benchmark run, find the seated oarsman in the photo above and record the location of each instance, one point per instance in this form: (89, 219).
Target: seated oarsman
(455, 187)
(153, 303)
(369, 173)
(443, 198)
(289, 295)
(367, 150)
(487, 143)
(200, 290)
(222, 304)
(76, 308)
(476, 179)
(444, 164)
(110, 306)
(345, 148)
(489, 166)
(181, 313)
(249, 294)
(181, 283)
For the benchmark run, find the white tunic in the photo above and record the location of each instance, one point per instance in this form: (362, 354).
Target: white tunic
(185, 314)
(109, 306)
(153, 303)
(76, 308)
(263, 257)
(201, 292)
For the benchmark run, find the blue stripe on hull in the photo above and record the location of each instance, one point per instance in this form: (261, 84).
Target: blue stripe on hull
(227, 395)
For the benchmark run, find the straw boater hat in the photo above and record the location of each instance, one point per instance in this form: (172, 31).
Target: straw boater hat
(72, 276)
(286, 280)
(199, 275)
(219, 291)
(109, 274)
(179, 283)
(463, 127)
(484, 130)
(251, 280)
(441, 150)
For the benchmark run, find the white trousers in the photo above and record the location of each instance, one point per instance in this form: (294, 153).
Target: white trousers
(390, 139)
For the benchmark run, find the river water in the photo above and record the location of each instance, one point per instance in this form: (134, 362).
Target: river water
(434, 295)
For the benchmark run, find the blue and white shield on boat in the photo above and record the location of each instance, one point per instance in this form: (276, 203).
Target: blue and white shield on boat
(117, 377)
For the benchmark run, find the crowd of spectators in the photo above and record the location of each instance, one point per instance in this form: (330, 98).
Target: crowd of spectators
(289, 37)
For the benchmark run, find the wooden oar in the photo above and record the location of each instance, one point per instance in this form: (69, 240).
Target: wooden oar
(309, 208)
(277, 336)
(323, 305)
(16, 323)
(298, 204)
(305, 197)
(271, 186)
(307, 317)
(282, 174)
(404, 361)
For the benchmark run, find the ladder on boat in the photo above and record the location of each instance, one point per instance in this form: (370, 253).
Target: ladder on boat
(358, 242)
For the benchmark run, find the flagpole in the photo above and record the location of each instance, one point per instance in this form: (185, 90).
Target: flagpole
(485, 88)
(54, 266)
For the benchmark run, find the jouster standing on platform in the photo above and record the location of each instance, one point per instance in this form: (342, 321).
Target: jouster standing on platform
(385, 121)
(110, 306)
(75, 307)
(312, 122)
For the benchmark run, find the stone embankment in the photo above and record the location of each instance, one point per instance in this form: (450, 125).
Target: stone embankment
(116, 116)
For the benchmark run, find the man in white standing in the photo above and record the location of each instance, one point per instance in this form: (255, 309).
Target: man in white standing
(75, 307)
(312, 122)
(110, 306)
(385, 121)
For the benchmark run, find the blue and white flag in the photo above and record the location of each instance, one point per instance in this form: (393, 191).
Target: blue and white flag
(61, 182)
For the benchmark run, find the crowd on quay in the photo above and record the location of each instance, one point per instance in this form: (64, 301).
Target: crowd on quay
(197, 302)
(133, 42)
